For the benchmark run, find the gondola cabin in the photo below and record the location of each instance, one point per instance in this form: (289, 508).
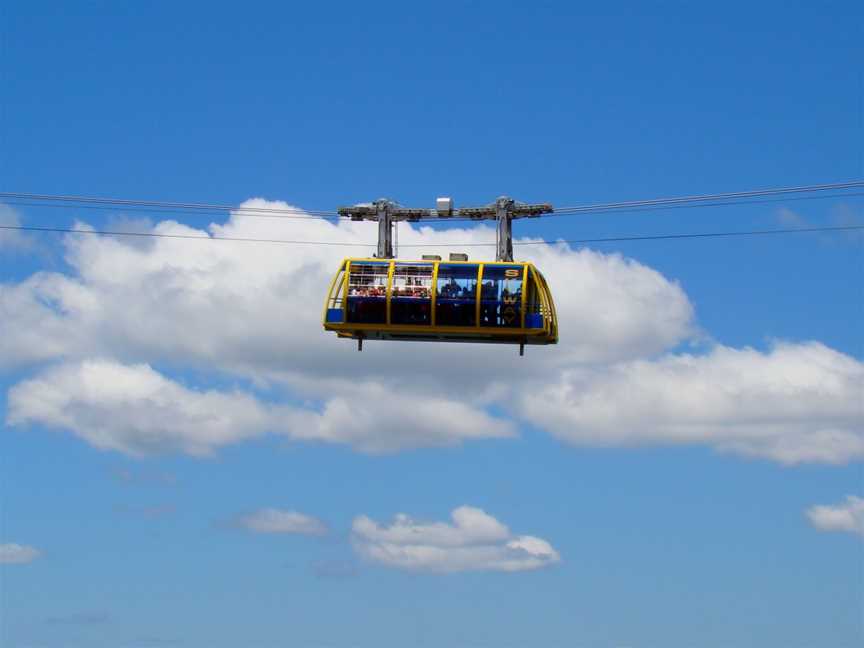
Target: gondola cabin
(441, 301)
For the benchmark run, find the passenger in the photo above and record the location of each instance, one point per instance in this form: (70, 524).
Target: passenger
(488, 305)
(450, 290)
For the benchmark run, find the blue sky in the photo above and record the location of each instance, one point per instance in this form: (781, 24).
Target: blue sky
(672, 452)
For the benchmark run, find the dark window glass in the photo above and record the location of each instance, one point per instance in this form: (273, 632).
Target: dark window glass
(411, 294)
(367, 293)
(533, 316)
(501, 296)
(456, 295)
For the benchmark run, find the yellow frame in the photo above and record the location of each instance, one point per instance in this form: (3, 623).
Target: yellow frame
(478, 294)
(549, 330)
(432, 316)
(389, 290)
(524, 293)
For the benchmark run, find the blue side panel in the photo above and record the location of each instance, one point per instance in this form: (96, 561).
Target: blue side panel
(334, 315)
(533, 320)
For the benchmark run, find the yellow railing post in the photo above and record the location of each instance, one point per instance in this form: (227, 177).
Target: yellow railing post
(479, 295)
(524, 292)
(345, 291)
(390, 268)
(434, 292)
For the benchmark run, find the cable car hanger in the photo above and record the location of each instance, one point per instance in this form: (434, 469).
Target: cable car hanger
(504, 210)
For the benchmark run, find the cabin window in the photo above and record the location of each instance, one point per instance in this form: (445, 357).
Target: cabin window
(456, 295)
(367, 292)
(411, 294)
(501, 296)
(533, 307)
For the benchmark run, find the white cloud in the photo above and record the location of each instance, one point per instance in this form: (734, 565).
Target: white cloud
(256, 307)
(847, 517)
(11, 553)
(252, 310)
(271, 520)
(376, 418)
(795, 403)
(136, 410)
(474, 541)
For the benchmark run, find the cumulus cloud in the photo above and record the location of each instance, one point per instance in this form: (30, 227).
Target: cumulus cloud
(847, 517)
(136, 410)
(473, 541)
(252, 311)
(795, 403)
(16, 554)
(376, 418)
(256, 308)
(271, 520)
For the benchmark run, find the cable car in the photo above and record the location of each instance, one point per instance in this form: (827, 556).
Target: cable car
(441, 301)
(499, 302)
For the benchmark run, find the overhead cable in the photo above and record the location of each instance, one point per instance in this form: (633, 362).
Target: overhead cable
(286, 214)
(657, 237)
(728, 203)
(456, 219)
(163, 205)
(293, 216)
(304, 213)
(65, 230)
(712, 197)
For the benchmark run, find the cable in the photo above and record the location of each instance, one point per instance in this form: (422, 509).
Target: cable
(700, 235)
(602, 207)
(166, 205)
(436, 245)
(718, 204)
(65, 230)
(163, 211)
(457, 219)
(166, 211)
(250, 211)
(653, 237)
(711, 197)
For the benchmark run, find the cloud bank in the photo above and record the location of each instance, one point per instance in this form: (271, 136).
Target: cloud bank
(795, 403)
(136, 410)
(105, 342)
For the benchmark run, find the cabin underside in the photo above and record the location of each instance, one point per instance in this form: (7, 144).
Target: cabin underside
(532, 337)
